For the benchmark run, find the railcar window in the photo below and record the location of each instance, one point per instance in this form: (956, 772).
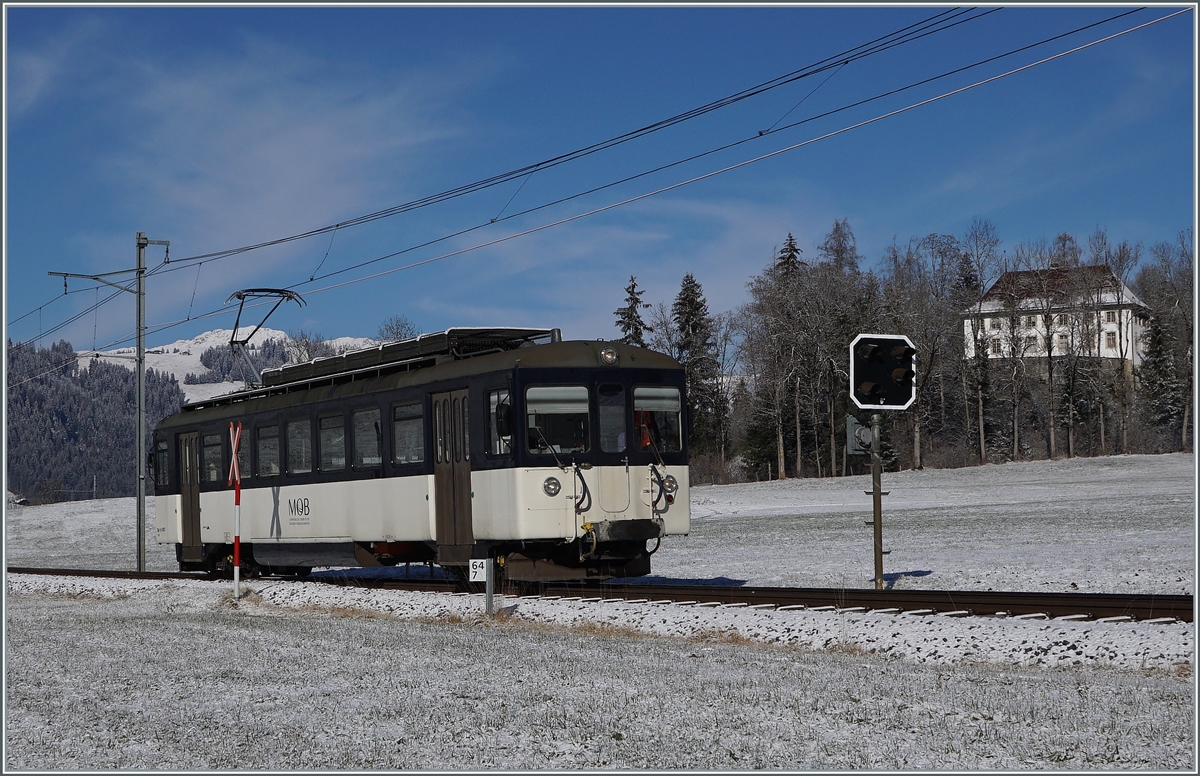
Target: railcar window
(455, 447)
(332, 439)
(268, 451)
(408, 430)
(211, 458)
(557, 419)
(656, 418)
(367, 438)
(243, 453)
(299, 446)
(611, 401)
(160, 466)
(439, 432)
(499, 423)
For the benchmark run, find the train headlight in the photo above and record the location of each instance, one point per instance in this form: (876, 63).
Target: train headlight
(670, 484)
(609, 356)
(551, 487)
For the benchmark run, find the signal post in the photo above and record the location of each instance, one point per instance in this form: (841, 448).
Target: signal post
(882, 377)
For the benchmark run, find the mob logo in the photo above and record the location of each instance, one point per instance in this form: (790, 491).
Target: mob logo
(298, 506)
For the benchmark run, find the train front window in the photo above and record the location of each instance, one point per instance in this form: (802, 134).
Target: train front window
(611, 402)
(332, 433)
(656, 415)
(557, 419)
(268, 451)
(211, 458)
(299, 446)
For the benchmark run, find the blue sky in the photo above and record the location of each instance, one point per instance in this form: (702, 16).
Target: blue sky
(220, 127)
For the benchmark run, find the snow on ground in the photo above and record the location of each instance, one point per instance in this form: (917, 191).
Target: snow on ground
(118, 674)
(1105, 525)
(304, 675)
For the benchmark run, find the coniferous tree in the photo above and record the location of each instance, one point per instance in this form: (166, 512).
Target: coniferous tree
(697, 353)
(71, 431)
(788, 261)
(1166, 286)
(223, 367)
(1158, 383)
(629, 318)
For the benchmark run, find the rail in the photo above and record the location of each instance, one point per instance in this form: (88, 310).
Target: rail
(1092, 606)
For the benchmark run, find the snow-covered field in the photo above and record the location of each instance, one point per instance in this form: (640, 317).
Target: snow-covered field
(1121, 524)
(106, 673)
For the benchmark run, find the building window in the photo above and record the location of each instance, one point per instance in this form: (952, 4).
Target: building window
(211, 458)
(268, 451)
(995, 347)
(499, 422)
(1110, 340)
(1110, 316)
(408, 433)
(995, 324)
(367, 438)
(1031, 321)
(332, 436)
(1031, 342)
(1063, 340)
(299, 446)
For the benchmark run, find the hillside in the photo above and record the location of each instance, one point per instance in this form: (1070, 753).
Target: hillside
(182, 357)
(70, 425)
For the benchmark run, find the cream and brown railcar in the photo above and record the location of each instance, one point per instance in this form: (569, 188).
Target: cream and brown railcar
(561, 460)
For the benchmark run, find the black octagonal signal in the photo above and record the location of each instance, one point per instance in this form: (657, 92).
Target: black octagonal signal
(883, 371)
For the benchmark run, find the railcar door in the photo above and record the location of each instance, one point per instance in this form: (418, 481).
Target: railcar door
(452, 477)
(189, 481)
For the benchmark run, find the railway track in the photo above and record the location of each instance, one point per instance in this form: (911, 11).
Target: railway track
(1090, 606)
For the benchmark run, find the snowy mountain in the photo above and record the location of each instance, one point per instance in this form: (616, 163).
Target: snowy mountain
(180, 357)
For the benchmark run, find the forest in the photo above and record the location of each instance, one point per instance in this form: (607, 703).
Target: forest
(768, 387)
(71, 430)
(768, 382)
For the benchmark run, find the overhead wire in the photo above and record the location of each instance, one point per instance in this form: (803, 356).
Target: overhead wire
(127, 287)
(313, 278)
(728, 168)
(47, 304)
(907, 34)
(710, 152)
(803, 99)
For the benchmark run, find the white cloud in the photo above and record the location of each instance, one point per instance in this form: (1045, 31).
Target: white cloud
(229, 149)
(36, 72)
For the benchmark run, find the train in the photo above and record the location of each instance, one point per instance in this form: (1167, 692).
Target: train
(559, 460)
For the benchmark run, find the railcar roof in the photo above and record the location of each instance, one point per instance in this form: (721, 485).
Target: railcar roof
(433, 369)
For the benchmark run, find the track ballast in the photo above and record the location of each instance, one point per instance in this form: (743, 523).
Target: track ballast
(1089, 606)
